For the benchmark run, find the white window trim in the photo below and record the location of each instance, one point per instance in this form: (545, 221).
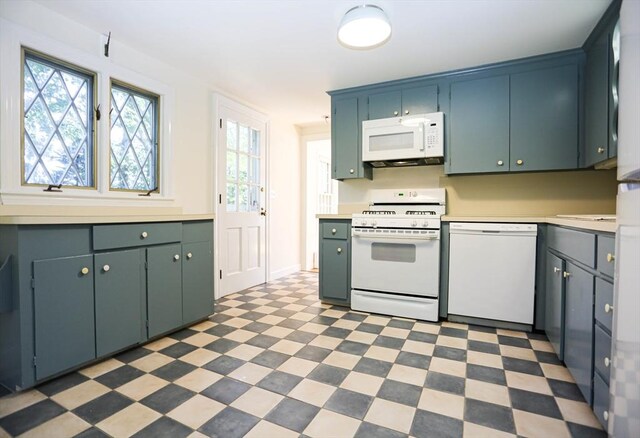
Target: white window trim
(12, 192)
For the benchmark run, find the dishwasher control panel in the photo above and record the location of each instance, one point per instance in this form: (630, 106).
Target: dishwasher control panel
(484, 227)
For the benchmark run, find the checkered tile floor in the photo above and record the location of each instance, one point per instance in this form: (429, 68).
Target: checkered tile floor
(275, 362)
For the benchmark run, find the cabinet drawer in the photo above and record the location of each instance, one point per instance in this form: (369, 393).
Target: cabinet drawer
(335, 230)
(604, 297)
(577, 245)
(602, 351)
(600, 399)
(606, 251)
(129, 235)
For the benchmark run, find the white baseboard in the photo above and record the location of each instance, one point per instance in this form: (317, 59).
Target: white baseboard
(274, 275)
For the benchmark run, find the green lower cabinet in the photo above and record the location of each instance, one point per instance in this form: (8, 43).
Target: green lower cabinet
(119, 291)
(197, 281)
(63, 314)
(335, 262)
(164, 288)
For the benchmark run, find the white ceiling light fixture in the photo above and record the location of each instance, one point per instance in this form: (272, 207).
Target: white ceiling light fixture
(364, 27)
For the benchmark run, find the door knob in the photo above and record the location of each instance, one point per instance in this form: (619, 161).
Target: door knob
(339, 250)
(84, 271)
(333, 231)
(406, 112)
(608, 308)
(176, 257)
(607, 362)
(395, 113)
(556, 270)
(519, 162)
(106, 268)
(605, 415)
(610, 257)
(143, 235)
(601, 150)
(351, 170)
(500, 162)
(189, 255)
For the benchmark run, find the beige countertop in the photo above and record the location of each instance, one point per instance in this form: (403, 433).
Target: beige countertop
(99, 219)
(584, 224)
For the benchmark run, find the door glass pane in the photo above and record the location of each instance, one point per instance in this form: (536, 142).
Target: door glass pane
(254, 198)
(393, 252)
(244, 139)
(232, 135)
(232, 204)
(243, 198)
(255, 170)
(255, 142)
(232, 166)
(243, 168)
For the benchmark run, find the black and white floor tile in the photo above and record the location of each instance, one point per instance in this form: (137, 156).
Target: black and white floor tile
(275, 362)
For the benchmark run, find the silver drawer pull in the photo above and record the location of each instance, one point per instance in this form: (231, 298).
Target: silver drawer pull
(84, 271)
(500, 162)
(607, 362)
(605, 415)
(566, 274)
(339, 251)
(610, 257)
(519, 162)
(189, 255)
(143, 235)
(556, 269)
(352, 170)
(176, 257)
(333, 231)
(601, 150)
(608, 308)
(106, 268)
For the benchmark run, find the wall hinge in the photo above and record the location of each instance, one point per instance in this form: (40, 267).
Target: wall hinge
(146, 265)
(220, 274)
(33, 283)
(147, 323)
(220, 123)
(220, 198)
(34, 362)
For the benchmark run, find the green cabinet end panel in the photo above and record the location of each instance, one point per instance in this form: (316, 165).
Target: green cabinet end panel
(544, 119)
(479, 126)
(118, 295)
(63, 312)
(197, 281)
(164, 288)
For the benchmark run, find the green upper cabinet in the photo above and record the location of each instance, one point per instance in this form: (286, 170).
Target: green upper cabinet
(600, 96)
(403, 102)
(479, 125)
(544, 119)
(346, 150)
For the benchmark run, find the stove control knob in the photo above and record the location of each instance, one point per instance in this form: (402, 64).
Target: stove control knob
(414, 223)
(426, 224)
(374, 223)
(364, 223)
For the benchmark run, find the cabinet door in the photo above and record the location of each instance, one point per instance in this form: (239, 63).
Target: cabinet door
(544, 119)
(479, 126)
(335, 284)
(197, 281)
(164, 288)
(596, 101)
(345, 144)
(578, 332)
(554, 302)
(119, 291)
(420, 100)
(63, 314)
(383, 105)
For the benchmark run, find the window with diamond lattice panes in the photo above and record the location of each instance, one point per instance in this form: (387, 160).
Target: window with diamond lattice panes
(58, 137)
(134, 139)
(243, 168)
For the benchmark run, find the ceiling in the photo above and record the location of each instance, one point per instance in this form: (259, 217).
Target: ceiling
(282, 55)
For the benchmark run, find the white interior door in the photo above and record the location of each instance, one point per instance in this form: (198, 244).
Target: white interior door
(241, 202)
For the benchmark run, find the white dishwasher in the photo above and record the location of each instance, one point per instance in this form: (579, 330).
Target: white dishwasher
(492, 271)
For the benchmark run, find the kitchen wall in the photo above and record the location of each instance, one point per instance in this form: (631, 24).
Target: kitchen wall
(517, 194)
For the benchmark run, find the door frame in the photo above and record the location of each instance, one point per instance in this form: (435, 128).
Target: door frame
(219, 102)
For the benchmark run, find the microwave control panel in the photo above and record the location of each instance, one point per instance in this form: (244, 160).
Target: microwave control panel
(431, 134)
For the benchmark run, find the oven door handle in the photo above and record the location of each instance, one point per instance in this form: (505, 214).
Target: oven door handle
(396, 237)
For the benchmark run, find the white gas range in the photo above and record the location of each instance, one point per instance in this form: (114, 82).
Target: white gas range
(395, 265)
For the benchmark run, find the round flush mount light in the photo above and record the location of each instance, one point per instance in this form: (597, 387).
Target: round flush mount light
(364, 27)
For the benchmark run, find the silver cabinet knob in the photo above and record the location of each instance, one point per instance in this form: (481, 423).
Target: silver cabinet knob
(406, 112)
(566, 274)
(333, 231)
(601, 150)
(608, 308)
(143, 235)
(610, 257)
(607, 362)
(84, 271)
(500, 162)
(106, 268)
(352, 170)
(395, 113)
(605, 415)
(339, 250)
(556, 270)
(176, 257)
(519, 162)
(189, 255)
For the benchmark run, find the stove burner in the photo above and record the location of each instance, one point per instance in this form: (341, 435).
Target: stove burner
(421, 213)
(381, 212)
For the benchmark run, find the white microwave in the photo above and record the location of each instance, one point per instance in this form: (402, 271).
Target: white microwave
(404, 141)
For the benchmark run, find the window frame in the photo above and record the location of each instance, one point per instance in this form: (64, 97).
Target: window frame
(92, 122)
(157, 102)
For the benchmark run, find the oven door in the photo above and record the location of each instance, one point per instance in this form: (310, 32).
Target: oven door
(403, 263)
